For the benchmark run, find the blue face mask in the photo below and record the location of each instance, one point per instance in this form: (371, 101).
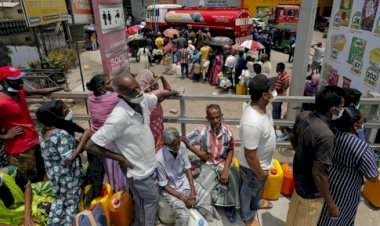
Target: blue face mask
(360, 129)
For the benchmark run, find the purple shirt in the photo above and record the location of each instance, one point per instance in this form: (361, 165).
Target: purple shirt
(172, 171)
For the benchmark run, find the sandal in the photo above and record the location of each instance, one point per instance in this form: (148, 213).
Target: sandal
(265, 204)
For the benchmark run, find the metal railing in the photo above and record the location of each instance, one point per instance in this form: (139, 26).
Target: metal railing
(371, 110)
(44, 78)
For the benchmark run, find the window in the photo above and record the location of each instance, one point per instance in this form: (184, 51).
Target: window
(19, 11)
(291, 13)
(282, 12)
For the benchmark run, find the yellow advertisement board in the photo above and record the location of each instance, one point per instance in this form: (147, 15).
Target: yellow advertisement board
(39, 12)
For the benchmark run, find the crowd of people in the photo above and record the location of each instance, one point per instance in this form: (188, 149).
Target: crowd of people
(193, 54)
(128, 147)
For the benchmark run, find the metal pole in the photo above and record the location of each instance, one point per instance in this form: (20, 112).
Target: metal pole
(182, 113)
(37, 42)
(43, 40)
(80, 65)
(305, 30)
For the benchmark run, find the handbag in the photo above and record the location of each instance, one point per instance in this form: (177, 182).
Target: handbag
(96, 217)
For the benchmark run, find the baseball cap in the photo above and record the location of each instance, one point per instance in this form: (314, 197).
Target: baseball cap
(11, 73)
(261, 82)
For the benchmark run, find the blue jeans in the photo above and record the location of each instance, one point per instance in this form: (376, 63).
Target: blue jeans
(185, 70)
(276, 112)
(251, 191)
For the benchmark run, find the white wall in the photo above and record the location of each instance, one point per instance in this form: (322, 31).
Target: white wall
(22, 55)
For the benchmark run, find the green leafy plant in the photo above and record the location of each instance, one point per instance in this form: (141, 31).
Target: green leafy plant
(64, 58)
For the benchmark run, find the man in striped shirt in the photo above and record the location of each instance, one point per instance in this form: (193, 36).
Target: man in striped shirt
(218, 176)
(281, 86)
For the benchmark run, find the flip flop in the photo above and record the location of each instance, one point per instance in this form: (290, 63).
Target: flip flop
(265, 204)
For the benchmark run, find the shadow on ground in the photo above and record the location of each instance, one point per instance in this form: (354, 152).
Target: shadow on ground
(269, 220)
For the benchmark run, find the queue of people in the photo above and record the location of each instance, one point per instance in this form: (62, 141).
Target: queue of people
(191, 54)
(128, 147)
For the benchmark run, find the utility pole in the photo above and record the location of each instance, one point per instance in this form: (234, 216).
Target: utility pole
(305, 31)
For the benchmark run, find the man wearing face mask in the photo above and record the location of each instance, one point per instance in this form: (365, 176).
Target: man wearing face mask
(313, 140)
(128, 129)
(21, 139)
(352, 99)
(258, 143)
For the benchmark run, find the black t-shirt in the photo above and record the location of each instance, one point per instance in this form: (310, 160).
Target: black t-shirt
(314, 141)
(21, 180)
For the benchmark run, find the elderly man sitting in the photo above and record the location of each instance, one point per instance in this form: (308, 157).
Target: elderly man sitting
(176, 181)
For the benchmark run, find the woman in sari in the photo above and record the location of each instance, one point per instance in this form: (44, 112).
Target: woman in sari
(217, 67)
(100, 104)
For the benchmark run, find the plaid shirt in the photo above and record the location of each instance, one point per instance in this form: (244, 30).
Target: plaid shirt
(217, 145)
(184, 56)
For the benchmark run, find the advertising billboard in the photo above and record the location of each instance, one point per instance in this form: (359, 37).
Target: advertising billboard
(352, 56)
(110, 29)
(40, 12)
(82, 11)
(210, 3)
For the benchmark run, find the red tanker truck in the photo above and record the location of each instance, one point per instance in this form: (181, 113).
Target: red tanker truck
(230, 22)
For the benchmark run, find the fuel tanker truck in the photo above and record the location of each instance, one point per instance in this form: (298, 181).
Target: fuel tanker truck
(230, 22)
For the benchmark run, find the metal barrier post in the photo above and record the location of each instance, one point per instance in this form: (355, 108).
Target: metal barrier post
(182, 113)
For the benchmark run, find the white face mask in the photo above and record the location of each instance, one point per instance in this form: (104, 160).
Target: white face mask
(136, 100)
(274, 93)
(335, 117)
(69, 116)
(357, 106)
(11, 90)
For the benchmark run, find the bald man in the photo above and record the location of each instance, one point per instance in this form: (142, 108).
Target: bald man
(128, 129)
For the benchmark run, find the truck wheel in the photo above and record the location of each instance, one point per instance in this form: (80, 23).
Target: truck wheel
(286, 50)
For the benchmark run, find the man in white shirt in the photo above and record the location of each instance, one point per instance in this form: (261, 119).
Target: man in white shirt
(266, 66)
(258, 143)
(319, 53)
(128, 129)
(229, 65)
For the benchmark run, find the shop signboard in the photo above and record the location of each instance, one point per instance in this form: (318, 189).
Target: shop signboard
(110, 29)
(352, 55)
(82, 11)
(40, 12)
